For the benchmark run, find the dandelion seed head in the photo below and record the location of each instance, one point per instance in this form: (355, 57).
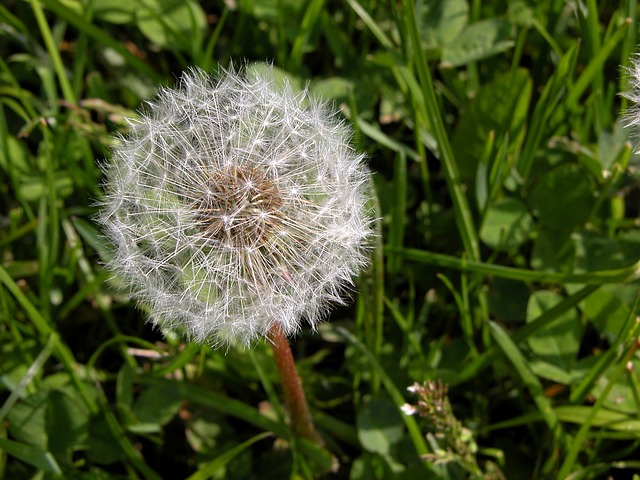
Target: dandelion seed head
(631, 118)
(234, 204)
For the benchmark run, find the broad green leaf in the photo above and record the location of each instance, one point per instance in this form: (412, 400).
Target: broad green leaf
(506, 225)
(558, 343)
(171, 23)
(379, 425)
(335, 88)
(280, 76)
(33, 188)
(155, 407)
(608, 308)
(441, 22)
(499, 109)
(622, 397)
(508, 299)
(115, 11)
(27, 419)
(553, 251)
(598, 252)
(103, 446)
(479, 40)
(371, 467)
(67, 420)
(551, 372)
(124, 387)
(520, 13)
(202, 433)
(274, 10)
(563, 198)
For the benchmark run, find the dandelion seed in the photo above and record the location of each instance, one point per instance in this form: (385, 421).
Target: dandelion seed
(235, 205)
(631, 117)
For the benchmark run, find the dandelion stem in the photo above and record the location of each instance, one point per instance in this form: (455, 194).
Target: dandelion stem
(292, 385)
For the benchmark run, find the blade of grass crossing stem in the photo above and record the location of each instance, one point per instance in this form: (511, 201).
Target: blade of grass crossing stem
(222, 404)
(530, 381)
(596, 277)
(580, 392)
(371, 24)
(61, 351)
(599, 469)
(463, 311)
(33, 369)
(463, 214)
(267, 384)
(49, 235)
(375, 134)
(487, 357)
(631, 347)
(179, 361)
(119, 433)
(120, 340)
(412, 426)
(209, 469)
(404, 325)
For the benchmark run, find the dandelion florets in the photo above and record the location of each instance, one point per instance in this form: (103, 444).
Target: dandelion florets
(631, 117)
(233, 204)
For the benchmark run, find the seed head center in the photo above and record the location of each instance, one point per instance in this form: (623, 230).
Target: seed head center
(241, 207)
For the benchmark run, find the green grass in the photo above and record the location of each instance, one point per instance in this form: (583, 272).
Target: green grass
(507, 260)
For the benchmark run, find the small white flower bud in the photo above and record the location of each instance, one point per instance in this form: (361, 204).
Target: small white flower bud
(408, 409)
(234, 204)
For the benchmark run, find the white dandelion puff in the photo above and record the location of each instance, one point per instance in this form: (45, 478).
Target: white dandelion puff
(235, 204)
(631, 118)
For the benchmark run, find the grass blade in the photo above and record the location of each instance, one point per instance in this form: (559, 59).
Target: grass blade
(529, 380)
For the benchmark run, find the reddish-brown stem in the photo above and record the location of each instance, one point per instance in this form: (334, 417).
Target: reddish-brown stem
(292, 385)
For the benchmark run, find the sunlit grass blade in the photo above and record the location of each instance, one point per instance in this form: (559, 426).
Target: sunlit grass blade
(464, 217)
(54, 53)
(593, 69)
(101, 36)
(597, 277)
